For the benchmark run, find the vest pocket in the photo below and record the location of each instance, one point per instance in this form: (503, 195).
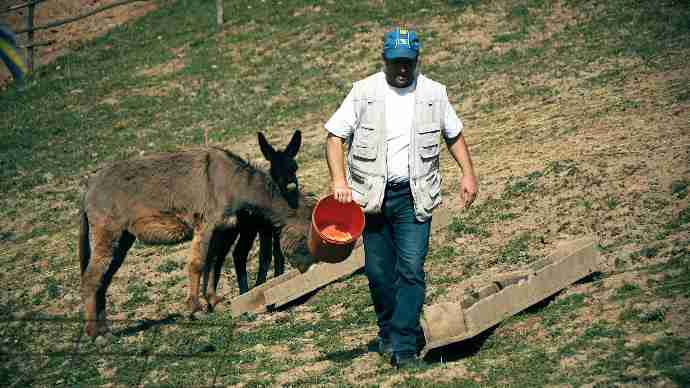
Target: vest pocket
(429, 135)
(432, 188)
(364, 144)
(364, 151)
(434, 181)
(429, 147)
(431, 127)
(360, 186)
(429, 110)
(369, 107)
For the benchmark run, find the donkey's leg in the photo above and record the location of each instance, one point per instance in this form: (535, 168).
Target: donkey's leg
(227, 243)
(120, 248)
(210, 261)
(244, 245)
(92, 280)
(220, 246)
(279, 268)
(197, 263)
(265, 255)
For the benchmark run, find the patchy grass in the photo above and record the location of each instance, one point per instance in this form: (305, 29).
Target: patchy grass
(576, 115)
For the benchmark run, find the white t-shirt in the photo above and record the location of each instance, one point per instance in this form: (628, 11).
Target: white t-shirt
(399, 116)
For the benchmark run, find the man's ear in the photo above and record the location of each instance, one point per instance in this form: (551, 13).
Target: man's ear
(266, 149)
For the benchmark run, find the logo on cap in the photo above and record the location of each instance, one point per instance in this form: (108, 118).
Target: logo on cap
(400, 43)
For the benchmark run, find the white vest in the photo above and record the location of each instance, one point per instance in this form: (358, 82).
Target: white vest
(366, 167)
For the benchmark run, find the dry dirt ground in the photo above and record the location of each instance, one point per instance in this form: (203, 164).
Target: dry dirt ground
(610, 180)
(69, 35)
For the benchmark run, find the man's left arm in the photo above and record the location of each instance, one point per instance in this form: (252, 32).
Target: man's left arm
(453, 134)
(468, 181)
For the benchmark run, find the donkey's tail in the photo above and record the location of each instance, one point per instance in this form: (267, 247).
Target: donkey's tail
(84, 243)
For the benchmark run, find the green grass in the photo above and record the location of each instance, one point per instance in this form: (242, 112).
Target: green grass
(138, 295)
(676, 224)
(653, 315)
(563, 308)
(676, 280)
(627, 290)
(519, 186)
(458, 227)
(516, 250)
(273, 66)
(169, 266)
(679, 189)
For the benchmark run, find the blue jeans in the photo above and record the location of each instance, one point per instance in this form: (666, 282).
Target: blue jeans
(395, 246)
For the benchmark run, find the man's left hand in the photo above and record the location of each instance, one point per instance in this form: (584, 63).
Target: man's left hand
(468, 189)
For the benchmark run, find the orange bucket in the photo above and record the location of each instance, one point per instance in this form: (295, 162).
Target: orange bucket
(335, 227)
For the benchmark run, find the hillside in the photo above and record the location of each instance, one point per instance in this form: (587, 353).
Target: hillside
(70, 35)
(577, 116)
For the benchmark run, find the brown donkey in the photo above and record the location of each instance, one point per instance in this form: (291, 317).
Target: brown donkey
(170, 198)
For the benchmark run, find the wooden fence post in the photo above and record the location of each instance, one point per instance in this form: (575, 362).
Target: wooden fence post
(30, 34)
(219, 13)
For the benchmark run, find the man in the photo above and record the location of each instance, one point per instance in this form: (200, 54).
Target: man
(392, 122)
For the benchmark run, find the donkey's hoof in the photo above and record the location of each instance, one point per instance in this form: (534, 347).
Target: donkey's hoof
(104, 339)
(95, 329)
(194, 305)
(214, 301)
(215, 305)
(91, 330)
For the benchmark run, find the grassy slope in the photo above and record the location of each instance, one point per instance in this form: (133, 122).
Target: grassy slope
(577, 116)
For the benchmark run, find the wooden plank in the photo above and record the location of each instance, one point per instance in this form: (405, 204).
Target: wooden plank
(317, 276)
(325, 273)
(569, 263)
(542, 284)
(254, 300)
(448, 319)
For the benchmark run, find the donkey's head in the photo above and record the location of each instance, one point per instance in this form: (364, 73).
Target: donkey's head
(283, 166)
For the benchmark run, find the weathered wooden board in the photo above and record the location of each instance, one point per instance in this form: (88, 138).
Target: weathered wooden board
(446, 323)
(254, 300)
(292, 285)
(324, 273)
(316, 277)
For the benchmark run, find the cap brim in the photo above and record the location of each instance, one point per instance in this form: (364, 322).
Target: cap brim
(399, 52)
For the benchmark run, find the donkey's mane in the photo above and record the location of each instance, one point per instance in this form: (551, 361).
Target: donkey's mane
(253, 170)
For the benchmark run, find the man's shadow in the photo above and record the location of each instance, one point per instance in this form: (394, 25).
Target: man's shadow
(452, 352)
(459, 350)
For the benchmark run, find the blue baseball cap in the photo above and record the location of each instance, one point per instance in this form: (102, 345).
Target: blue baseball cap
(400, 43)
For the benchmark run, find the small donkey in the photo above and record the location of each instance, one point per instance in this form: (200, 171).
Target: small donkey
(173, 197)
(283, 170)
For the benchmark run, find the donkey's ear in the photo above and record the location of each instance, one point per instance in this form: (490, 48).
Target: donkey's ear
(294, 145)
(266, 149)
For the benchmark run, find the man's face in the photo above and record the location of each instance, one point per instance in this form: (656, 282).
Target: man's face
(400, 72)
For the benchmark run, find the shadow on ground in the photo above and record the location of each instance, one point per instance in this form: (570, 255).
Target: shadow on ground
(146, 324)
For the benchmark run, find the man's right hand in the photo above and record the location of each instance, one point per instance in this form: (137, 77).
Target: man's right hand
(342, 193)
(336, 166)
